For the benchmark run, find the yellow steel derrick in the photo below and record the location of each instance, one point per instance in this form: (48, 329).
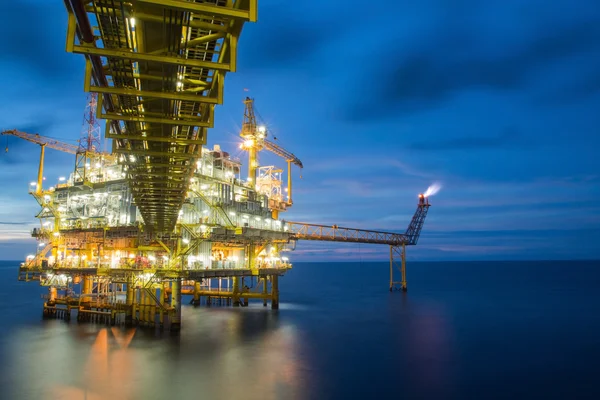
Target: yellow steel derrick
(266, 179)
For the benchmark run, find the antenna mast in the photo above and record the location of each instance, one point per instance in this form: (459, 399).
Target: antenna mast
(89, 141)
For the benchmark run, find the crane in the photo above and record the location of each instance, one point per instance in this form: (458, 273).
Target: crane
(255, 140)
(44, 142)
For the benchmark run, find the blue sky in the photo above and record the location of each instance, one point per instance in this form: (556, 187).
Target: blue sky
(497, 100)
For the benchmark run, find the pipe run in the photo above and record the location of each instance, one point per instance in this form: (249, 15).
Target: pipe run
(84, 29)
(83, 23)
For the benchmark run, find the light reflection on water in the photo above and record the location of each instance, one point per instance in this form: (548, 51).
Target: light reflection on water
(222, 352)
(459, 333)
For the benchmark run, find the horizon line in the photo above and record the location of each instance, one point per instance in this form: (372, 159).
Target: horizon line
(415, 261)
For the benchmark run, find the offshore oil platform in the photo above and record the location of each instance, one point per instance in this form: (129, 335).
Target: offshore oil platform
(127, 233)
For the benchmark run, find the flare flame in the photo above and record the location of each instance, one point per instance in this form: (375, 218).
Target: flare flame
(432, 189)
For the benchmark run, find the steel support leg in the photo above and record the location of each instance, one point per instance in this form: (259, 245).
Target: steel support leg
(129, 301)
(391, 268)
(395, 252)
(161, 299)
(403, 270)
(196, 300)
(265, 293)
(176, 304)
(236, 291)
(274, 292)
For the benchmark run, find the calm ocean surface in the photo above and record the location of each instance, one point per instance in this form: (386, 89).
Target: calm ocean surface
(472, 330)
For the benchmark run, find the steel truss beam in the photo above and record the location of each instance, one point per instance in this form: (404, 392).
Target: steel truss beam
(158, 95)
(107, 10)
(247, 13)
(166, 174)
(193, 23)
(156, 153)
(199, 121)
(135, 56)
(334, 233)
(174, 185)
(172, 140)
(132, 50)
(156, 165)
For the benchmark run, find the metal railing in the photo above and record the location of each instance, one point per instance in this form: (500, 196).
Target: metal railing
(336, 233)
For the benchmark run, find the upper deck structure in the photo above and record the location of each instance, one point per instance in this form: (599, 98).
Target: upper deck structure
(159, 67)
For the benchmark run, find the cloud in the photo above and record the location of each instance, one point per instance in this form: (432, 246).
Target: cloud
(318, 251)
(42, 37)
(465, 245)
(13, 148)
(287, 42)
(583, 87)
(16, 249)
(12, 223)
(14, 235)
(368, 165)
(478, 250)
(452, 61)
(40, 126)
(508, 233)
(509, 138)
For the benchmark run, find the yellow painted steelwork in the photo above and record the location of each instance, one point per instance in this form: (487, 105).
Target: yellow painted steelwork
(40, 178)
(254, 140)
(164, 69)
(334, 233)
(163, 216)
(44, 142)
(395, 252)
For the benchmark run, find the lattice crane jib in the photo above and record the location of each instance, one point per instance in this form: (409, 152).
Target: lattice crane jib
(283, 153)
(159, 67)
(43, 142)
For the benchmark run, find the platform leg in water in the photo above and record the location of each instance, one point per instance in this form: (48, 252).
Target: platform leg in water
(403, 268)
(265, 293)
(129, 302)
(274, 292)
(395, 252)
(176, 304)
(236, 291)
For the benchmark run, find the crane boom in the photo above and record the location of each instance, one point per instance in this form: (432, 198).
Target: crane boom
(57, 145)
(283, 153)
(43, 141)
